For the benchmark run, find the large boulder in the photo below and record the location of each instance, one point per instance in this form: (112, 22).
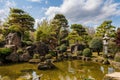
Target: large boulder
(13, 39)
(25, 57)
(30, 49)
(34, 61)
(13, 57)
(38, 47)
(112, 76)
(41, 48)
(46, 65)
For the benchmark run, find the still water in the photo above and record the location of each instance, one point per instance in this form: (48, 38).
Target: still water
(67, 70)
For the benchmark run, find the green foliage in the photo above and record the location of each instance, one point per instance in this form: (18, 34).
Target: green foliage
(28, 43)
(73, 37)
(112, 47)
(36, 56)
(52, 53)
(48, 56)
(87, 52)
(15, 28)
(63, 34)
(105, 28)
(19, 21)
(59, 25)
(79, 29)
(61, 18)
(79, 34)
(5, 32)
(117, 58)
(96, 44)
(20, 51)
(43, 32)
(26, 36)
(63, 48)
(5, 51)
(79, 53)
(66, 42)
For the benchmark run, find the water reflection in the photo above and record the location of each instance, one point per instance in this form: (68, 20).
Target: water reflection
(26, 76)
(102, 68)
(67, 77)
(0, 77)
(67, 70)
(70, 69)
(111, 70)
(35, 76)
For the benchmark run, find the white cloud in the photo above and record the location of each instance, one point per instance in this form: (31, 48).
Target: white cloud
(10, 4)
(5, 10)
(46, 2)
(27, 7)
(1, 0)
(86, 11)
(38, 21)
(2, 11)
(35, 0)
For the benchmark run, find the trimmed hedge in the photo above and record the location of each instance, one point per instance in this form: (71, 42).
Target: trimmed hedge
(87, 52)
(5, 51)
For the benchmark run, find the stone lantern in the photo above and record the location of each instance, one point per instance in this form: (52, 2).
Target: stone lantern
(105, 44)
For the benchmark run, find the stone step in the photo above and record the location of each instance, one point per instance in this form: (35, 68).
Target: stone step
(112, 76)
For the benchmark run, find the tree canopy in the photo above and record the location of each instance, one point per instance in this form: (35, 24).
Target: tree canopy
(96, 44)
(105, 28)
(19, 21)
(79, 29)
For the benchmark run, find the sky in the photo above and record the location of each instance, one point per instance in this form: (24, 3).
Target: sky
(87, 12)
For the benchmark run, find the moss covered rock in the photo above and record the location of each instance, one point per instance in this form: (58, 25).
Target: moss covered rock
(46, 65)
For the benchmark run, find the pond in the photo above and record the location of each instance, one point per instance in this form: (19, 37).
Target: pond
(67, 70)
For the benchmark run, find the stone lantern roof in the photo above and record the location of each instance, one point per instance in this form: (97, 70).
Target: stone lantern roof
(106, 37)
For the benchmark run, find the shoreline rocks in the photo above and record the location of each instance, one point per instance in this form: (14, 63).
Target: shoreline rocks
(112, 76)
(46, 65)
(115, 64)
(34, 61)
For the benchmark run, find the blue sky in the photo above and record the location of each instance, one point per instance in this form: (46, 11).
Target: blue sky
(86, 12)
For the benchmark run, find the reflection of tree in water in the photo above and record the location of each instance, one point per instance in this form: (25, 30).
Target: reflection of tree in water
(111, 70)
(82, 70)
(70, 69)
